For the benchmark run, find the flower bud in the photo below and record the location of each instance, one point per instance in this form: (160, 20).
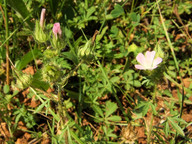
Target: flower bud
(159, 51)
(51, 73)
(55, 42)
(50, 53)
(42, 19)
(24, 81)
(57, 29)
(39, 34)
(86, 52)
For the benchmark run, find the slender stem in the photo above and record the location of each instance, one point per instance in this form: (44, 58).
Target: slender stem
(80, 99)
(61, 108)
(132, 5)
(62, 113)
(7, 43)
(152, 116)
(150, 130)
(175, 60)
(84, 34)
(103, 21)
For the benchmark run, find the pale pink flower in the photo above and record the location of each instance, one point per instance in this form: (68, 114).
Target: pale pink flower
(148, 62)
(42, 19)
(57, 29)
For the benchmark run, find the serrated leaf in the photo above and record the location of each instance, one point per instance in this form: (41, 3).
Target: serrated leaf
(90, 11)
(76, 137)
(39, 108)
(166, 128)
(18, 117)
(153, 109)
(142, 108)
(110, 108)
(167, 92)
(98, 110)
(175, 126)
(71, 56)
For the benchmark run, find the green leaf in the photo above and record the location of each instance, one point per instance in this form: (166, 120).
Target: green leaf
(18, 117)
(115, 79)
(72, 94)
(114, 118)
(71, 56)
(100, 36)
(166, 129)
(90, 11)
(98, 110)
(6, 89)
(20, 7)
(112, 135)
(153, 108)
(117, 11)
(132, 48)
(114, 31)
(136, 83)
(167, 93)
(175, 126)
(68, 33)
(69, 136)
(54, 115)
(135, 18)
(39, 108)
(142, 109)
(110, 108)
(27, 58)
(75, 137)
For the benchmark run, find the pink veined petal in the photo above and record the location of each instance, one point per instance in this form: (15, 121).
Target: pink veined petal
(157, 61)
(141, 59)
(149, 58)
(139, 67)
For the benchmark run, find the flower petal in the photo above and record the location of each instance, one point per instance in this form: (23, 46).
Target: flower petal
(141, 59)
(157, 61)
(149, 58)
(139, 67)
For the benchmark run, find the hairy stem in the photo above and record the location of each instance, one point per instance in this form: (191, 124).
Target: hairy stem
(7, 43)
